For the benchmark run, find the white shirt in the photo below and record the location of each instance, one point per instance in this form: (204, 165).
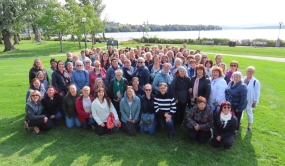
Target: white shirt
(87, 104)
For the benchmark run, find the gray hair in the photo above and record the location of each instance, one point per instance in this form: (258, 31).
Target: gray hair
(142, 59)
(87, 59)
(119, 71)
(238, 74)
(177, 60)
(78, 63)
(69, 63)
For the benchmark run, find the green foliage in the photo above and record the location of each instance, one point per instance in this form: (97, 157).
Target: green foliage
(128, 42)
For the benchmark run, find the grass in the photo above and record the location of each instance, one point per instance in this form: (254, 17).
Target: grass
(61, 146)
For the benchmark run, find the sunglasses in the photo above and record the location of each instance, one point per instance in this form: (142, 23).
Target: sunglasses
(233, 65)
(226, 107)
(147, 89)
(34, 95)
(79, 65)
(140, 62)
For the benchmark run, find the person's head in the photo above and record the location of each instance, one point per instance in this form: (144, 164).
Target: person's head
(225, 108)
(105, 57)
(87, 62)
(69, 56)
(35, 96)
(110, 48)
(170, 54)
(99, 83)
(156, 59)
(123, 57)
(236, 76)
(178, 62)
(132, 55)
(35, 83)
(86, 51)
(75, 58)
(118, 74)
(40, 75)
(159, 47)
(148, 89)
(135, 81)
(51, 91)
(190, 57)
(162, 88)
(72, 90)
(192, 63)
(198, 57)
(79, 65)
(192, 52)
(115, 55)
(148, 56)
(223, 66)
(234, 66)
(97, 65)
(179, 55)
(182, 71)
(166, 67)
(53, 63)
(140, 62)
(204, 58)
(82, 54)
(218, 59)
(217, 72)
(130, 91)
(200, 70)
(85, 91)
(201, 102)
(38, 64)
(250, 71)
(209, 63)
(60, 65)
(114, 62)
(69, 66)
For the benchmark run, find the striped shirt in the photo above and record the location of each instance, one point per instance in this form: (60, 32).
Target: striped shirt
(164, 104)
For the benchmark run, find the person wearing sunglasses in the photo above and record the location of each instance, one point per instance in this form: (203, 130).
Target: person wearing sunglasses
(225, 124)
(142, 72)
(87, 65)
(204, 59)
(80, 77)
(35, 113)
(97, 72)
(233, 68)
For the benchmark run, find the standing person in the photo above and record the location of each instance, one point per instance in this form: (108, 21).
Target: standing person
(142, 72)
(233, 68)
(204, 59)
(111, 72)
(133, 59)
(99, 83)
(37, 66)
(36, 85)
(40, 75)
(61, 79)
(253, 94)
(68, 59)
(53, 65)
(83, 108)
(164, 76)
(148, 121)
(177, 63)
(130, 107)
(200, 118)
(137, 88)
(80, 77)
(97, 72)
(165, 108)
(52, 103)
(83, 56)
(236, 94)
(218, 88)
(170, 56)
(208, 67)
(218, 59)
(128, 71)
(148, 59)
(225, 124)
(154, 68)
(69, 107)
(101, 108)
(191, 66)
(105, 61)
(180, 87)
(69, 69)
(35, 113)
(87, 65)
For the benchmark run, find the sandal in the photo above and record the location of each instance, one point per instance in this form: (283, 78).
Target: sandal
(26, 125)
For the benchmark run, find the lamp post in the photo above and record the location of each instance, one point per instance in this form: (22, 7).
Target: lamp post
(199, 33)
(278, 40)
(83, 20)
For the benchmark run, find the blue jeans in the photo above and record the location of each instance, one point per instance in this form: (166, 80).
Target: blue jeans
(55, 120)
(169, 125)
(89, 121)
(152, 129)
(71, 122)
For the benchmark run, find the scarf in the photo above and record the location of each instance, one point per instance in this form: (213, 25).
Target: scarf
(167, 77)
(196, 85)
(119, 87)
(225, 118)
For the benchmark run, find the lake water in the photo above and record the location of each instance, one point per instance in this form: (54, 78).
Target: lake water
(230, 34)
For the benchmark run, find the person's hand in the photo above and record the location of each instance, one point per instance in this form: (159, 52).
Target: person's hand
(190, 90)
(90, 116)
(216, 103)
(167, 119)
(119, 99)
(176, 101)
(192, 99)
(133, 121)
(102, 125)
(196, 127)
(45, 120)
(52, 116)
(253, 105)
(218, 138)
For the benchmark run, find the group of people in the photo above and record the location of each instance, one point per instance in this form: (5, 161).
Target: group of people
(142, 89)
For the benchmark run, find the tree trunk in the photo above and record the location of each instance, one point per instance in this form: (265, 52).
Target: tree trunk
(73, 38)
(79, 42)
(29, 34)
(16, 40)
(1, 40)
(9, 46)
(37, 33)
(19, 37)
(60, 41)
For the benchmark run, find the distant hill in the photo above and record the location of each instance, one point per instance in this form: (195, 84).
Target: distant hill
(265, 27)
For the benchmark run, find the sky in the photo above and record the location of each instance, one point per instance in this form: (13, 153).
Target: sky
(190, 12)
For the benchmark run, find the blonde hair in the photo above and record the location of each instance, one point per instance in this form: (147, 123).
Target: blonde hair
(32, 92)
(86, 88)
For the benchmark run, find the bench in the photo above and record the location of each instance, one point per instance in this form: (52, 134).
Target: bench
(259, 43)
(113, 43)
(205, 42)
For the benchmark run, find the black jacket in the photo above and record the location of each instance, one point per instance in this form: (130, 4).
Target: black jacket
(52, 106)
(229, 130)
(33, 72)
(204, 87)
(143, 74)
(147, 105)
(179, 87)
(60, 81)
(128, 73)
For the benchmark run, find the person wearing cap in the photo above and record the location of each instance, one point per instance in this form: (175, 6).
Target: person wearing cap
(53, 66)
(179, 88)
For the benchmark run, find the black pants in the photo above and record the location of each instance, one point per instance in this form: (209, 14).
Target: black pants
(40, 124)
(227, 141)
(137, 126)
(180, 113)
(200, 136)
(102, 130)
(117, 107)
(238, 115)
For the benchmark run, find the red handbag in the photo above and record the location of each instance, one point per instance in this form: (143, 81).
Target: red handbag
(110, 120)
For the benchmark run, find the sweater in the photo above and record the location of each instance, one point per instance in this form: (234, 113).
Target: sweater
(204, 87)
(253, 90)
(60, 81)
(93, 76)
(147, 105)
(42, 91)
(204, 118)
(128, 73)
(237, 95)
(161, 78)
(179, 88)
(143, 74)
(101, 111)
(34, 111)
(126, 110)
(80, 78)
(52, 106)
(229, 129)
(164, 104)
(82, 115)
(69, 107)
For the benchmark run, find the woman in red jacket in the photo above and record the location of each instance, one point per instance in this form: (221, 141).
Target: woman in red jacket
(83, 108)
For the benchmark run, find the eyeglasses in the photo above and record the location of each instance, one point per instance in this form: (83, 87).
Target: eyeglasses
(140, 62)
(147, 89)
(79, 65)
(34, 95)
(87, 62)
(226, 107)
(233, 65)
(204, 57)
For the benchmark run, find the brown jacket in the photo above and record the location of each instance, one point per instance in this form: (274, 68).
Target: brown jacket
(203, 118)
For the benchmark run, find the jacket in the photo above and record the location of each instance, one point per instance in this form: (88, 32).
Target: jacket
(42, 91)
(143, 74)
(253, 90)
(161, 78)
(203, 118)
(164, 104)
(218, 87)
(34, 111)
(145, 118)
(52, 106)
(111, 93)
(93, 77)
(126, 110)
(128, 73)
(204, 87)
(147, 105)
(237, 95)
(82, 115)
(229, 129)
(60, 81)
(80, 78)
(180, 89)
(33, 71)
(69, 106)
(110, 75)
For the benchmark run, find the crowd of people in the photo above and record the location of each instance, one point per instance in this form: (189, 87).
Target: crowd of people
(140, 89)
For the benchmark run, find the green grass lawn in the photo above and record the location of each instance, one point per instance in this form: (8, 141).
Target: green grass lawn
(62, 146)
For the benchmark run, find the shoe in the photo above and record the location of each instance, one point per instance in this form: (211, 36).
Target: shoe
(26, 125)
(170, 136)
(93, 127)
(37, 133)
(249, 129)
